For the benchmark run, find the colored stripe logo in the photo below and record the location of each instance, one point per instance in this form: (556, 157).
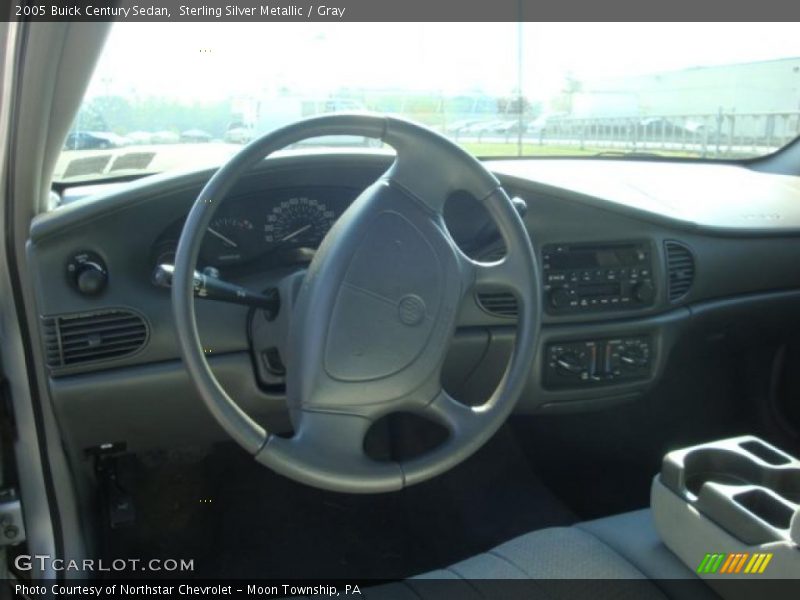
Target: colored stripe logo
(734, 562)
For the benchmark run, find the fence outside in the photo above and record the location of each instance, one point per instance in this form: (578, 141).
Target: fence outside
(720, 135)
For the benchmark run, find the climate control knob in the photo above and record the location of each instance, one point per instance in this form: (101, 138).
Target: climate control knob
(570, 362)
(633, 357)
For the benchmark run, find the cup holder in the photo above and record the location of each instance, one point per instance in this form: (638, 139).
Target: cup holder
(720, 466)
(766, 507)
(765, 453)
(724, 466)
(740, 461)
(749, 487)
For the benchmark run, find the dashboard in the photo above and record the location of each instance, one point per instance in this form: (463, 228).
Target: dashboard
(627, 285)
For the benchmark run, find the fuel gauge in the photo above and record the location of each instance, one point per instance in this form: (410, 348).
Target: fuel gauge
(229, 240)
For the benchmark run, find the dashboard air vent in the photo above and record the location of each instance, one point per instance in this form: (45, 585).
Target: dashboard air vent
(680, 269)
(93, 337)
(502, 304)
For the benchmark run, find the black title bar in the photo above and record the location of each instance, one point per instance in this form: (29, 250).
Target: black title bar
(398, 10)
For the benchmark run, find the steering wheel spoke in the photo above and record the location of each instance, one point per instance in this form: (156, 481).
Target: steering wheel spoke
(431, 168)
(456, 417)
(333, 434)
(506, 273)
(327, 451)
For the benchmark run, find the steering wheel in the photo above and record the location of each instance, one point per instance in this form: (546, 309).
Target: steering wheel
(375, 313)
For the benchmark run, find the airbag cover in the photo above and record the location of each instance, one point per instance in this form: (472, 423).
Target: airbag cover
(387, 304)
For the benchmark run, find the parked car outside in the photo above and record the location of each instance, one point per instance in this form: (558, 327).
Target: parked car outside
(195, 136)
(240, 134)
(93, 140)
(140, 137)
(166, 137)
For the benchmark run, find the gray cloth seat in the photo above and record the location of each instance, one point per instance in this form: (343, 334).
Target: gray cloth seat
(565, 562)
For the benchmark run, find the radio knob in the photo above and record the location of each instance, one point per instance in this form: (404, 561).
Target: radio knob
(559, 297)
(644, 292)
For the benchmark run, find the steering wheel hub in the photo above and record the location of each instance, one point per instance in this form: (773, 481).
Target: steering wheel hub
(400, 273)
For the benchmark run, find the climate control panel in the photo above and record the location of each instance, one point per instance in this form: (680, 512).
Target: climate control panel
(597, 362)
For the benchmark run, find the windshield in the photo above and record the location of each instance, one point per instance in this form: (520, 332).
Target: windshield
(169, 96)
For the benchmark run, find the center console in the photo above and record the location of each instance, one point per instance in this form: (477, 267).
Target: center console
(731, 509)
(580, 279)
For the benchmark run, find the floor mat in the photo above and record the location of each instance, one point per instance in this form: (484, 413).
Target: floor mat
(235, 518)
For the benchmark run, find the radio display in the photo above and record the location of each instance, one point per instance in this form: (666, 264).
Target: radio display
(577, 258)
(599, 289)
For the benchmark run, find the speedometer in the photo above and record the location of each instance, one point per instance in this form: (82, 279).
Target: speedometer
(298, 221)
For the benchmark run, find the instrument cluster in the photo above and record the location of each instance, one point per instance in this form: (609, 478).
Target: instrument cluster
(279, 222)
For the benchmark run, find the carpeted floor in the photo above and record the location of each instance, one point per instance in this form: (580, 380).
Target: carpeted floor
(235, 518)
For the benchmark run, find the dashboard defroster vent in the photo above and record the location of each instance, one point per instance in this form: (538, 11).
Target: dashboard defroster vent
(93, 337)
(501, 304)
(680, 269)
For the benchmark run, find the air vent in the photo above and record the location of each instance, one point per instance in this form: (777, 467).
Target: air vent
(93, 337)
(680, 268)
(502, 304)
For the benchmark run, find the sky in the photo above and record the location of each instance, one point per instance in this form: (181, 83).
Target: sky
(214, 61)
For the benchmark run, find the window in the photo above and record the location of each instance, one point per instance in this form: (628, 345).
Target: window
(174, 96)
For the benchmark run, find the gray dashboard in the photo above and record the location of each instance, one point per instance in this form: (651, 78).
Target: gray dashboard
(145, 399)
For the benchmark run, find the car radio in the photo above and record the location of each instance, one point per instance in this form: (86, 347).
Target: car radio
(594, 277)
